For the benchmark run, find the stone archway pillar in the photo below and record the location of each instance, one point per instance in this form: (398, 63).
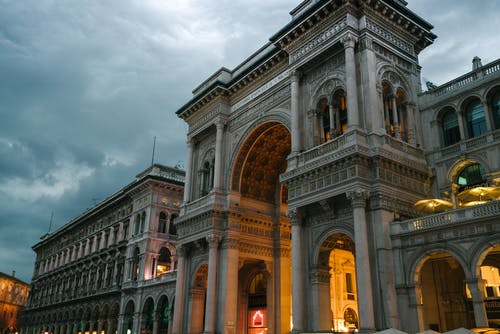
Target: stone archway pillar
(210, 308)
(218, 155)
(179, 290)
(395, 117)
(228, 309)
(476, 288)
(321, 307)
(295, 112)
(415, 303)
(298, 284)
(187, 185)
(363, 271)
(349, 42)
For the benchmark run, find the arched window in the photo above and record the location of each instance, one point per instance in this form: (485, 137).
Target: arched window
(172, 230)
(324, 113)
(471, 175)
(143, 221)
(137, 224)
(162, 223)
(207, 173)
(449, 123)
(135, 264)
(164, 262)
(495, 109)
(476, 122)
(339, 112)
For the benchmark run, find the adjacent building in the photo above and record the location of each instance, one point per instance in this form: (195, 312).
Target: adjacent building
(324, 191)
(13, 297)
(92, 274)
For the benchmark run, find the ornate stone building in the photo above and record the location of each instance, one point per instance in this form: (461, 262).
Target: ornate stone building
(324, 192)
(13, 297)
(111, 269)
(304, 165)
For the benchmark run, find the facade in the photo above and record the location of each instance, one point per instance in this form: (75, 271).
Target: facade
(13, 297)
(324, 191)
(304, 166)
(112, 268)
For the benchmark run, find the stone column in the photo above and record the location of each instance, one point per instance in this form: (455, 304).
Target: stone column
(410, 111)
(476, 287)
(99, 326)
(210, 308)
(179, 290)
(349, 42)
(155, 322)
(363, 271)
(75, 327)
(218, 155)
(187, 183)
(462, 125)
(298, 284)
(387, 119)
(332, 111)
(227, 311)
(415, 300)
(373, 114)
(109, 328)
(395, 118)
(295, 112)
(320, 280)
(490, 122)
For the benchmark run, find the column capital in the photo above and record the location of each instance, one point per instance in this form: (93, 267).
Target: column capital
(220, 123)
(358, 197)
(231, 243)
(295, 75)
(181, 251)
(366, 43)
(294, 216)
(213, 240)
(349, 40)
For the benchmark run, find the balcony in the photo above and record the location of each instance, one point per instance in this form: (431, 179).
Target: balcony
(490, 210)
(469, 145)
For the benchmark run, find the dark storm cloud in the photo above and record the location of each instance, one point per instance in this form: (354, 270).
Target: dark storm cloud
(86, 85)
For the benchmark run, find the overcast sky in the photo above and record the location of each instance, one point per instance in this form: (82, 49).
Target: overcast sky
(86, 85)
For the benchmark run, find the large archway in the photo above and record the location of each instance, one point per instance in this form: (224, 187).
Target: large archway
(335, 284)
(197, 299)
(487, 271)
(259, 202)
(259, 162)
(443, 293)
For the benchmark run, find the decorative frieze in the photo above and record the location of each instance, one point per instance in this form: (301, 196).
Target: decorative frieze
(390, 37)
(320, 181)
(257, 111)
(256, 249)
(319, 41)
(262, 89)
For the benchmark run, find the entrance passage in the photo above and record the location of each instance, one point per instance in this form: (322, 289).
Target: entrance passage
(444, 296)
(336, 263)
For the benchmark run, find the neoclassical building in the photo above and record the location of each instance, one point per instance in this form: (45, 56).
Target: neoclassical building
(305, 164)
(111, 269)
(13, 297)
(324, 192)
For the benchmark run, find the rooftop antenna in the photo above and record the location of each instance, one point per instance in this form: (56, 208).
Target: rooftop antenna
(51, 218)
(153, 155)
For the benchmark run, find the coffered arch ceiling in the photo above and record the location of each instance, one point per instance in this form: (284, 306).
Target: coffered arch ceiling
(261, 159)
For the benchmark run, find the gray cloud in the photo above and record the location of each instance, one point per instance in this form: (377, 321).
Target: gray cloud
(85, 86)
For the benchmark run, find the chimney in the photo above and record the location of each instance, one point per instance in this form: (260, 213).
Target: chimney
(13, 273)
(476, 63)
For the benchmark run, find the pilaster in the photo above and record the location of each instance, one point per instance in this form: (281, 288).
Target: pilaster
(363, 270)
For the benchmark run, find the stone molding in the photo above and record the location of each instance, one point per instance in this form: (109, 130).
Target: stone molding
(390, 37)
(317, 42)
(358, 197)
